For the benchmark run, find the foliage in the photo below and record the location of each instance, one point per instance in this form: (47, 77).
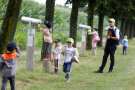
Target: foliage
(36, 10)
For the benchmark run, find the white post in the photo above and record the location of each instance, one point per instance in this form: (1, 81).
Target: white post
(30, 49)
(30, 41)
(84, 34)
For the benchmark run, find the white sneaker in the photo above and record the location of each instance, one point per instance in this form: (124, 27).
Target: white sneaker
(68, 81)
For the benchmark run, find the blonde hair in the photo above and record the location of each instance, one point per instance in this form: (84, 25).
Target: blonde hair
(55, 45)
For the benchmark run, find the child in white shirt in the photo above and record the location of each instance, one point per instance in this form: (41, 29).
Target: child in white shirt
(56, 55)
(70, 55)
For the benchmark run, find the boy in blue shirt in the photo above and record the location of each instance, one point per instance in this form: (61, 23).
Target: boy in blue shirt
(125, 45)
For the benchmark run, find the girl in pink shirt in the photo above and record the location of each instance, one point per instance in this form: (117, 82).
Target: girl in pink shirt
(95, 40)
(47, 33)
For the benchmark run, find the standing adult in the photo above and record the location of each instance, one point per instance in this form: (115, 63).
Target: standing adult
(112, 37)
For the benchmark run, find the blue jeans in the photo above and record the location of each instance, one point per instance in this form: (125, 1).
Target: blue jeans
(124, 50)
(67, 67)
(5, 80)
(47, 47)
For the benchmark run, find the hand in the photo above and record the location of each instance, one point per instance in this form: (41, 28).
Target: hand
(40, 23)
(108, 37)
(17, 44)
(64, 52)
(73, 58)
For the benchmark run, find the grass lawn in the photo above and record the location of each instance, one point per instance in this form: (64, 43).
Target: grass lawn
(82, 76)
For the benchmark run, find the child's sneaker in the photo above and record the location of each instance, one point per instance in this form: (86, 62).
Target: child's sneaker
(68, 81)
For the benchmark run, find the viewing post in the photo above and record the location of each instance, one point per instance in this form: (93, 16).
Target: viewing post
(84, 34)
(30, 41)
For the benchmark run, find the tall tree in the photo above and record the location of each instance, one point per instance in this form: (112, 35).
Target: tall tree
(90, 12)
(100, 25)
(131, 30)
(101, 10)
(73, 20)
(134, 29)
(8, 28)
(122, 28)
(49, 16)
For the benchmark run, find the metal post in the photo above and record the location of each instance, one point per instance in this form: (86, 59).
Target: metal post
(84, 34)
(30, 49)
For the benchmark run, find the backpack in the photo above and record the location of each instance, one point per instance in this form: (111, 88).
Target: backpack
(120, 37)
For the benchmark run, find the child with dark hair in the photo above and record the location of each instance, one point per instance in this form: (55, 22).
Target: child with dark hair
(8, 65)
(47, 32)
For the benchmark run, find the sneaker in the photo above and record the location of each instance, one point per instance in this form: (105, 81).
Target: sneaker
(99, 71)
(68, 81)
(109, 72)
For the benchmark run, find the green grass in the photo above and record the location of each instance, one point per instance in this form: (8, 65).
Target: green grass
(82, 76)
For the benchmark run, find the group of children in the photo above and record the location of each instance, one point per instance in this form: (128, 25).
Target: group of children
(8, 60)
(70, 53)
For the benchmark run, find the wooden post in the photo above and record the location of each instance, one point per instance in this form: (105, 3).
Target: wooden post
(47, 66)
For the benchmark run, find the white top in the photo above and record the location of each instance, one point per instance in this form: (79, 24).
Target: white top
(70, 53)
(117, 31)
(57, 52)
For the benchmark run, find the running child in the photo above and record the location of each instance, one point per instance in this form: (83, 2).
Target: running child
(70, 53)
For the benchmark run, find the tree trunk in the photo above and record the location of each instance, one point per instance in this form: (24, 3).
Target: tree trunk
(8, 28)
(73, 20)
(90, 12)
(122, 28)
(49, 16)
(100, 25)
(131, 30)
(115, 16)
(134, 29)
(128, 28)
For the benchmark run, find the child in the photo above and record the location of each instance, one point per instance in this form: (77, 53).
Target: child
(125, 45)
(70, 53)
(47, 32)
(95, 40)
(8, 64)
(56, 55)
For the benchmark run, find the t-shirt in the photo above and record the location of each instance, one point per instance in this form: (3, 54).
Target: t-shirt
(47, 35)
(69, 54)
(57, 52)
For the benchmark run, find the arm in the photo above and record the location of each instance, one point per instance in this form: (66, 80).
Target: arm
(40, 27)
(114, 38)
(18, 51)
(63, 50)
(1, 63)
